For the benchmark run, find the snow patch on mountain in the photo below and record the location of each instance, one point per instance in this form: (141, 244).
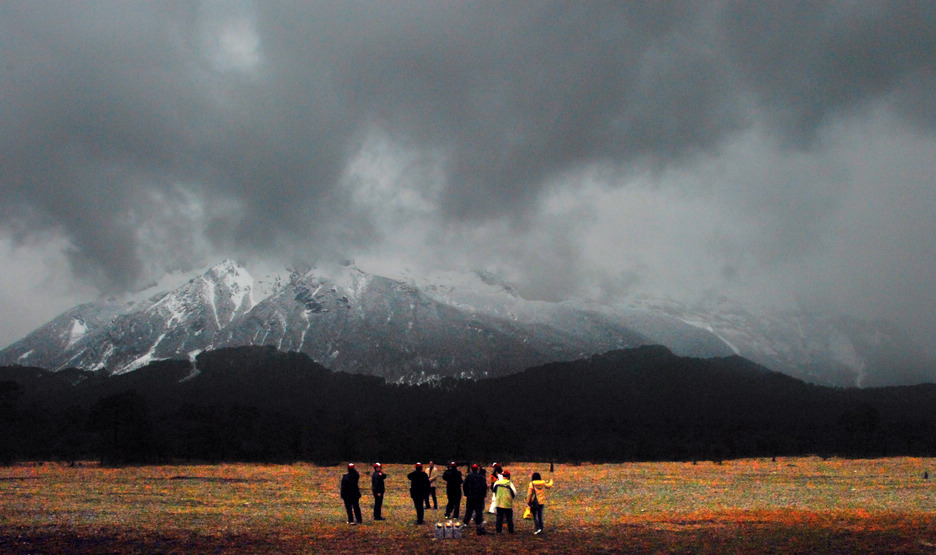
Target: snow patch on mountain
(78, 330)
(707, 327)
(141, 361)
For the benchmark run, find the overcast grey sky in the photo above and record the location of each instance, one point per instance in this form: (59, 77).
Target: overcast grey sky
(777, 151)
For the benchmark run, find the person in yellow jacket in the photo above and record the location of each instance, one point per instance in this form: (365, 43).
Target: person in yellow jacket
(536, 500)
(504, 493)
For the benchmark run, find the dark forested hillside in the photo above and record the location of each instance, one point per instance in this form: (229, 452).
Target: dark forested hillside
(256, 403)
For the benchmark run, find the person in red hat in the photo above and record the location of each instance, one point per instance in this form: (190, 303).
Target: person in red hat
(453, 483)
(419, 489)
(378, 489)
(476, 489)
(351, 494)
(504, 493)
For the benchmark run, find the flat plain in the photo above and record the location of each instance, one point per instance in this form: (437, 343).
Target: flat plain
(787, 505)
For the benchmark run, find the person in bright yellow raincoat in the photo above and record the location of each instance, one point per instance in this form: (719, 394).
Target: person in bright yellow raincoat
(536, 500)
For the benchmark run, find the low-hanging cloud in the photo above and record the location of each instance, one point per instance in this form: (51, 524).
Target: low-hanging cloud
(153, 135)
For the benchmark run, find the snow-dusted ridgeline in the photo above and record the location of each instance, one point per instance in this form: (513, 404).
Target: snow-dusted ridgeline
(411, 328)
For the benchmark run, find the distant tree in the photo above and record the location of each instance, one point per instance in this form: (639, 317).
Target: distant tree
(259, 404)
(72, 442)
(860, 427)
(124, 429)
(9, 394)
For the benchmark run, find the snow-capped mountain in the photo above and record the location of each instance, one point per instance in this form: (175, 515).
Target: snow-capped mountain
(125, 334)
(416, 329)
(819, 348)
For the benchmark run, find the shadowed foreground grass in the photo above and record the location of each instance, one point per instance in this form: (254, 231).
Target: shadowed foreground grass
(785, 506)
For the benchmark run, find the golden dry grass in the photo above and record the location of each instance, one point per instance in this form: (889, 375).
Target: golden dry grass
(747, 506)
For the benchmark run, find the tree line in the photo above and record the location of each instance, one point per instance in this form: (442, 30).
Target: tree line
(258, 404)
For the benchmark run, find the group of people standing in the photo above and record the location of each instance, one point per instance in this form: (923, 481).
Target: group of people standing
(351, 492)
(475, 486)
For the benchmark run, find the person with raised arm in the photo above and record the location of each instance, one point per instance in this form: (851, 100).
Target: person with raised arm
(504, 493)
(378, 489)
(536, 500)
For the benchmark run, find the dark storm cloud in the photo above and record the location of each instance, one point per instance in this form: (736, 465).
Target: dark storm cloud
(807, 61)
(107, 106)
(516, 93)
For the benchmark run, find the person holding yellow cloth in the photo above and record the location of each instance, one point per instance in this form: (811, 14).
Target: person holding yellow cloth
(536, 500)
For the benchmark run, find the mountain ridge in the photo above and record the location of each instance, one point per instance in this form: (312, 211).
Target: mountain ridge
(415, 329)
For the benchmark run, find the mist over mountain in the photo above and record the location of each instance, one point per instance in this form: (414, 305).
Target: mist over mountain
(416, 329)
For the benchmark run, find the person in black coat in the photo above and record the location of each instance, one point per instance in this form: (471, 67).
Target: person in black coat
(377, 488)
(419, 489)
(453, 490)
(476, 489)
(351, 494)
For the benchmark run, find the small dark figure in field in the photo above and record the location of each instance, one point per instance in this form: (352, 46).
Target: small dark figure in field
(419, 490)
(536, 500)
(475, 489)
(453, 484)
(378, 489)
(504, 493)
(351, 494)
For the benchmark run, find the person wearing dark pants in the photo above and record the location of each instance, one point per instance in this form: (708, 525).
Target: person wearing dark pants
(419, 489)
(536, 499)
(431, 492)
(351, 495)
(475, 489)
(378, 489)
(504, 493)
(453, 490)
(504, 515)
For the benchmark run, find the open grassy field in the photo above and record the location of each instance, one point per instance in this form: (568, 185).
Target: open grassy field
(748, 506)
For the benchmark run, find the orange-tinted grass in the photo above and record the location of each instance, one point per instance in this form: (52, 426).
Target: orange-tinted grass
(788, 505)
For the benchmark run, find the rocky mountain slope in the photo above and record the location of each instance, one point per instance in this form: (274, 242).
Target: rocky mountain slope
(447, 325)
